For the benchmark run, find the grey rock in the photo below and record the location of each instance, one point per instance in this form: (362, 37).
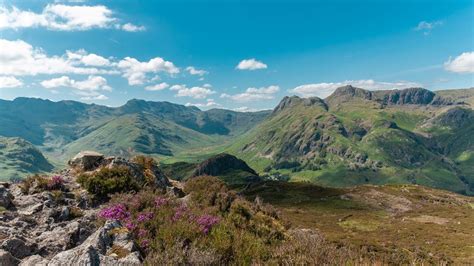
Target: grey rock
(17, 247)
(6, 198)
(94, 249)
(86, 160)
(35, 260)
(31, 209)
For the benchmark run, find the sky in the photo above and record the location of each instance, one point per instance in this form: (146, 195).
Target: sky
(239, 55)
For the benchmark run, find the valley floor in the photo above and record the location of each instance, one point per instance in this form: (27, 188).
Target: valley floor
(392, 220)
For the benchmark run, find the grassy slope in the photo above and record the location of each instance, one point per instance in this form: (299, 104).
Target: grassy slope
(408, 156)
(19, 158)
(392, 217)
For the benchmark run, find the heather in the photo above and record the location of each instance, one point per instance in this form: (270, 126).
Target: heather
(223, 225)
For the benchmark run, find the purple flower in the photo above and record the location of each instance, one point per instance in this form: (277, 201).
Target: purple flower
(144, 217)
(115, 212)
(145, 243)
(130, 225)
(160, 201)
(142, 233)
(55, 182)
(179, 212)
(206, 222)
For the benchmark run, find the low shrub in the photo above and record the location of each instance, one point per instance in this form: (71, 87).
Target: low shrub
(108, 181)
(38, 183)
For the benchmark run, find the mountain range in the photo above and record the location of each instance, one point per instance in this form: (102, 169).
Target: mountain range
(352, 137)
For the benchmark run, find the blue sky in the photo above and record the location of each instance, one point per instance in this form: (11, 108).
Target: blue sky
(242, 55)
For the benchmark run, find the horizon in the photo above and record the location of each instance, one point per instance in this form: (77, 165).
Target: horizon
(218, 108)
(106, 53)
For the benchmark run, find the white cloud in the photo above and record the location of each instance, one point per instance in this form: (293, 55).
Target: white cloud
(178, 87)
(88, 59)
(194, 92)
(426, 27)
(208, 104)
(247, 109)
(92, 83)
(132, 28)
(19, 58)
(463, 63)
(323, 90)
(193, 71)
(9, 82)
(251, 64)
(136, 71)
(254, 94)
(63, 18)
(157, 87)
(88, 89)
(207, 85)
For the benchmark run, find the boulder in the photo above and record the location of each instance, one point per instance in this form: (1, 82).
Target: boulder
(86, 160)
(6, 198)
(17, 248)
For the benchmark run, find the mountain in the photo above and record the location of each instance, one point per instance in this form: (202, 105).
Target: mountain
(61, 129)
(356, 136)
(19, 158)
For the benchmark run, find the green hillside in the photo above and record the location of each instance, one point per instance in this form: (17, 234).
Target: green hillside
(61, 129)
(356, 136)
(19, 158)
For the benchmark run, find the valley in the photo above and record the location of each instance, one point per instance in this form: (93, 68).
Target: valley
(352, 137)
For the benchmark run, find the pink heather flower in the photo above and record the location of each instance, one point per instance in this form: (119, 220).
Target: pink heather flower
(130, 225)
(145, 243)
(115, 212)
(160, 201)
(179, 212)
(55, 182)
(142, 233)
(206, 222)
(144, 217)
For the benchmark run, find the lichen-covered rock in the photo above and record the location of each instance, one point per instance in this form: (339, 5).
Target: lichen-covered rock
(94, 250)
(86, 160)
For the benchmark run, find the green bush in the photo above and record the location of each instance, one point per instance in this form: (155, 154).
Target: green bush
(108, 181)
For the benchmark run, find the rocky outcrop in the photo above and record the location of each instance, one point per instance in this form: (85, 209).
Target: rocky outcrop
(59, 226)
(406, 96)
(90, 161)
(289, 102)
(455, 118)
(98, 249)
(222, 164)
(417, 96)
(86, 160)
(138, 171)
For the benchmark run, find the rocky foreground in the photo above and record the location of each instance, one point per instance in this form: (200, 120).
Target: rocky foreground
(59, 226)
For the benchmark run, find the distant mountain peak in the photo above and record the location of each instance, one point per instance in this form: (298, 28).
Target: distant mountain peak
(291, 101)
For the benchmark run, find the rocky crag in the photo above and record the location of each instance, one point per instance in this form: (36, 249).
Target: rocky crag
(53, 221)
